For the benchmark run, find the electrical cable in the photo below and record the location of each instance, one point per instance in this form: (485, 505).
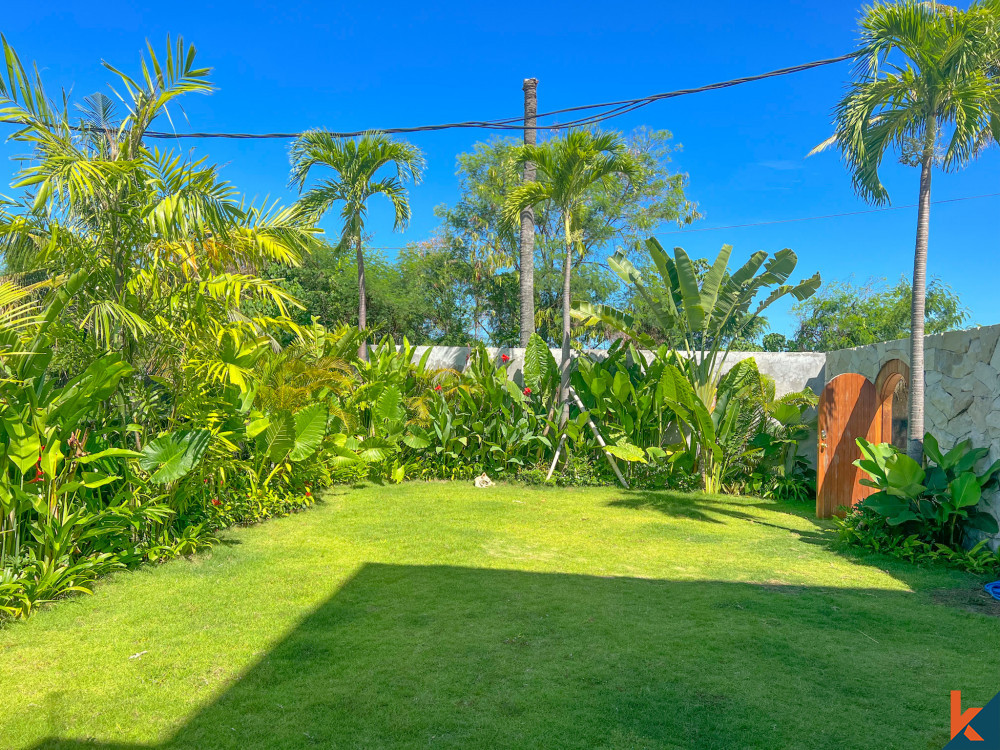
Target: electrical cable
(612, 109)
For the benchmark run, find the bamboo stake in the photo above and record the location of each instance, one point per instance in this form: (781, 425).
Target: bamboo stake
(600, 440)
(555, 460)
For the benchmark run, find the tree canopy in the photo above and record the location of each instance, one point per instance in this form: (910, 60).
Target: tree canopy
(844, 315)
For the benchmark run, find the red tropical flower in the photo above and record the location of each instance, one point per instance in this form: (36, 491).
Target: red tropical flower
(504, 358)
(437, 388)
(527, 391)
(215, 501)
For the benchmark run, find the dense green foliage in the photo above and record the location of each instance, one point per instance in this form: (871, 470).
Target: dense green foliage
(615, 211)
(422, 295)
(708, 312)
(175, 360)
(846, 315)
(926, 513)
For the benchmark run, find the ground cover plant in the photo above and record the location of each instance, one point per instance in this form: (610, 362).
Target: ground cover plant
(435, 613)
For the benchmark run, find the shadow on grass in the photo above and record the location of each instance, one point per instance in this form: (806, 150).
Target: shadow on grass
(416, 656)
(713, 509)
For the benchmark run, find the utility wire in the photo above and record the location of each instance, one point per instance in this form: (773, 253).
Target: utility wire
(611, 109)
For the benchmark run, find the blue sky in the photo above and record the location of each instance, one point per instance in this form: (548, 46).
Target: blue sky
(291, 65)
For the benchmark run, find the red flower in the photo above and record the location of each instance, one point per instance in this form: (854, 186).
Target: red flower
(308, 493)
(437, 388)
(215, 501)
(527, 391)
(504, 358)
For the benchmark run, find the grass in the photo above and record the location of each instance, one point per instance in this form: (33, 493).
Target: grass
(438, 615)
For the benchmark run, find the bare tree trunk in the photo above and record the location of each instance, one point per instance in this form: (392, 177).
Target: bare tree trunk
(362, 302)
(528, 218)
(566, 351)
(915, 444)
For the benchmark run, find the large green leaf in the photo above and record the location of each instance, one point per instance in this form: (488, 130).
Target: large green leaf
(108, 453)
(627, 452)
(23, 445)
(389, 405)
(540, 368)
(172, 456)
(279, 438)
(965, 490)
(905, 476)
(310, 428)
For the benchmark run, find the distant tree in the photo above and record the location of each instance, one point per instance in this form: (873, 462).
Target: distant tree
(423, 294)
(775, 342)
(843, 315)
(356, 164)
(925, 74)
(617, 215)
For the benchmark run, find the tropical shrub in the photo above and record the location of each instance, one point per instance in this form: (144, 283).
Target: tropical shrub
(865, 528)
(937, 503)
(925, 513)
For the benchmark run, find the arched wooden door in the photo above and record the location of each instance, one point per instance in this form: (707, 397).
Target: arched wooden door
(848, 409)
(892, 388)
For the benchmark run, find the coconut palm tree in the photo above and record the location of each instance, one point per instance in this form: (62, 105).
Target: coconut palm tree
(923, 85)
(566, 170)
(356, 163)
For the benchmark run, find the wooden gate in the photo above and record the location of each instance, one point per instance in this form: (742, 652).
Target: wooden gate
(848, 409)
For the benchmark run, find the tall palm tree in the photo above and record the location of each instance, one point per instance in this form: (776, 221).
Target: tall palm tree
(356, 163)
(566, 169)
(936, 89)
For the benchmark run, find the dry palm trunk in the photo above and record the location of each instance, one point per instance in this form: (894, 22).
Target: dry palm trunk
(564, 366)
(528, 219)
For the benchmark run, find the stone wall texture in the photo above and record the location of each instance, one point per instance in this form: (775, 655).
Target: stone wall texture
(962, 399)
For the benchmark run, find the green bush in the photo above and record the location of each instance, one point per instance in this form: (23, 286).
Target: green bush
(925, 513)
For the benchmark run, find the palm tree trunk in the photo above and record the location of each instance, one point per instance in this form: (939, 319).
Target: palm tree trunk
(528, 220)
(362, 302)
(915, 444)
(566, 352)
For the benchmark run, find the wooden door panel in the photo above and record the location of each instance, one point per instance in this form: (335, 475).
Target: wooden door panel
(848, 409)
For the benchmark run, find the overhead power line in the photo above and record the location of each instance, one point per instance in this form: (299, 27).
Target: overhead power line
(609, 110)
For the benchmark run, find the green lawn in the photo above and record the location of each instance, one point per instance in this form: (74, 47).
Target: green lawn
(438, 615)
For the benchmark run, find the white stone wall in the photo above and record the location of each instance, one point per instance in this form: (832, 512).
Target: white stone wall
(962, 399)
(791, 371)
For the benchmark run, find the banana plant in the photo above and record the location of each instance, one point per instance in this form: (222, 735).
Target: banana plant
(706, 314)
